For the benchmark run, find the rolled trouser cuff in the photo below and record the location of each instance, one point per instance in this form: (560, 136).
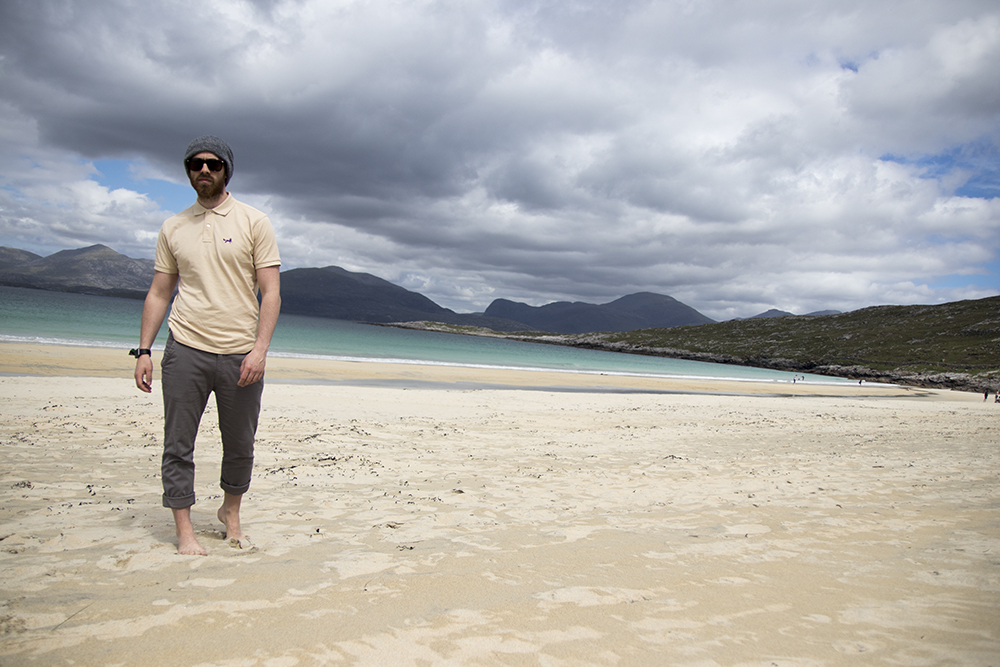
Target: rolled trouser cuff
(178, 503)
(234, 490)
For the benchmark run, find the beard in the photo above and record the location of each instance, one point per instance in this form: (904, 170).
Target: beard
(208, 189)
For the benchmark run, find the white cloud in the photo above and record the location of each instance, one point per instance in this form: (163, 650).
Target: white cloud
(925, 97)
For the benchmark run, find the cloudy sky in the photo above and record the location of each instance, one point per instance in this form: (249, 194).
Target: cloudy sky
(735, 155)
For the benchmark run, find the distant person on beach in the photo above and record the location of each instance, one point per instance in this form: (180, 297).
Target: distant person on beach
(219, 254)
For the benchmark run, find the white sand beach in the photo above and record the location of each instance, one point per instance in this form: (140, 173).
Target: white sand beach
(424, 515)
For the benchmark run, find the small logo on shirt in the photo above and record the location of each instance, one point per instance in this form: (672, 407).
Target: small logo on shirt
(229, 240)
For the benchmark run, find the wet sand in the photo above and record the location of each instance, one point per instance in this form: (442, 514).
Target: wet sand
(425, 515)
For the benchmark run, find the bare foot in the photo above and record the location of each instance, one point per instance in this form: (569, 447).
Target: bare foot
(229, 515)
(189, 546)
(187, 543)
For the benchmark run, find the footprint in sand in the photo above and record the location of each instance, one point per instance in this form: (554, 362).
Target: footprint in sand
(242, 543)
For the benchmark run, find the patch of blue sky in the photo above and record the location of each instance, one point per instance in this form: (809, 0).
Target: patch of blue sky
(986, 186)
(989, 279)
(114, 174)
(980, 160)
(855, 64)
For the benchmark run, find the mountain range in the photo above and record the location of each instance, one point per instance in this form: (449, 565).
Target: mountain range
(336, 293)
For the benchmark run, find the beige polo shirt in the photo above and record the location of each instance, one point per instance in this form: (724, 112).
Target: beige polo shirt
(216, 253)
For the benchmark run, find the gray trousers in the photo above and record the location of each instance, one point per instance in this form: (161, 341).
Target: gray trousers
(187, 377)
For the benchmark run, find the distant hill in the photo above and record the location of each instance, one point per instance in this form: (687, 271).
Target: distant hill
(784, 313)
(771, 313)
(361, 297)
(340, 294)
(635, 311)
(94, 270)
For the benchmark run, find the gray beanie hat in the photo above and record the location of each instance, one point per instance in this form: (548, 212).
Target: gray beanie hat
(212, 145)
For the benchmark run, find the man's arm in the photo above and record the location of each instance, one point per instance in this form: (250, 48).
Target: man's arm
(269, 282)
(153, 311)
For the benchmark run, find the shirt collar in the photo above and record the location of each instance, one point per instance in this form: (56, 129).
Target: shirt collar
(222, 209)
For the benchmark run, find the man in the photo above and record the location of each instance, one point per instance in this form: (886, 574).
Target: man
(218, 253)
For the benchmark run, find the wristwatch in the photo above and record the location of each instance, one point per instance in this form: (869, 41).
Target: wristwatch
(141, 351)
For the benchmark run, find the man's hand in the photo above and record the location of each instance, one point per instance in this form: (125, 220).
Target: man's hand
(252, 368)
(154, 309)
(144, 373)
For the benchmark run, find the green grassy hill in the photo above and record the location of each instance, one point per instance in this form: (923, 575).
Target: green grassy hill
(917, 344)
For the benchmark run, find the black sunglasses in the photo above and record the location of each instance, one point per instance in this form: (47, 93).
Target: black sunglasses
(196, 163)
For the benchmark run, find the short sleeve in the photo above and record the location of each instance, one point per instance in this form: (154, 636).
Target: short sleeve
(165, 261)
(265, 245)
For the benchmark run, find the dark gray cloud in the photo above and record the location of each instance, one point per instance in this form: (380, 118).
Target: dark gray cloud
(735, 156)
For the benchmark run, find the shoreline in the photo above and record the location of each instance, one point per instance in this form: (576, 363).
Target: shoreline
(79, 361)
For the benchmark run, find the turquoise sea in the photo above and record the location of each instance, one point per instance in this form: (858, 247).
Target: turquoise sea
(36, 316)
